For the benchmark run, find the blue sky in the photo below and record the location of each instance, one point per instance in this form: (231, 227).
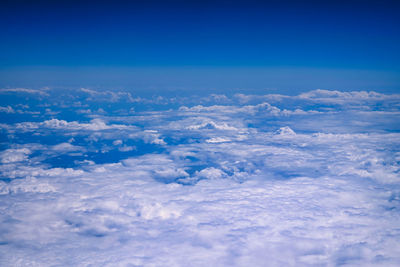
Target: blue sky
(319, 38)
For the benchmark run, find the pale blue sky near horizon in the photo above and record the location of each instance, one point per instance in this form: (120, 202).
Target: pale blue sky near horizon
(167, 80)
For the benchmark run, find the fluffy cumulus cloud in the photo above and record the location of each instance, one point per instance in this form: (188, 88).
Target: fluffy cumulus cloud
(242, 180)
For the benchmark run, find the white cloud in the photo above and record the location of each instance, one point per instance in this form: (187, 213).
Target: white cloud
(93, 125)
(328, 96)
(217, 140)
(212, 125)
(212, 173)
(285, 131)
(117, 142)
(150, 136)
(41, 92)
(14, 155)
(110, 96)
(126, 148)
(7, 109)
(65, 147)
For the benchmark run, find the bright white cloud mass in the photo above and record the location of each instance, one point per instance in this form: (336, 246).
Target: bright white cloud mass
(112, 179)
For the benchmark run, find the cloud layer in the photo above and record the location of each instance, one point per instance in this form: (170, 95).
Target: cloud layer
(241, 180)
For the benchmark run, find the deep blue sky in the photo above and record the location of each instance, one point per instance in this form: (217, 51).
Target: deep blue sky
(46, 42)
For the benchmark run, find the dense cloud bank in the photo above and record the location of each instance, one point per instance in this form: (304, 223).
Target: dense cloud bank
(107, 178)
